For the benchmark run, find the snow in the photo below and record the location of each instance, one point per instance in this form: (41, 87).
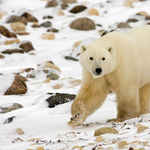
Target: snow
(47, 127)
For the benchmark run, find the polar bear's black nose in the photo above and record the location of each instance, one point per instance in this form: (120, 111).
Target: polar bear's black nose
(98, 70)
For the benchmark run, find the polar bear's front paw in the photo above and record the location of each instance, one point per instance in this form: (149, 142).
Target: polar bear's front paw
(76, 120)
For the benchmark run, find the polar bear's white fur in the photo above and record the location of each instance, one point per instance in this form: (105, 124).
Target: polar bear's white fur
(120, 62)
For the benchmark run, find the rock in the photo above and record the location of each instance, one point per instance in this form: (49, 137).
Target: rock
(105, 130)
(18, 26)
(48, 17)
(20, 131)
(76, 146)
(141, 128)
(71, 58)
(23, 78)
(59, 98)
(83, 24)
(12, 51)
(15, 18)
(122, 144)
(28, 69)
(52, 3)
(69, 1)
(46, 24)
(93, 11)
(48, 36)
(64, 5)
(29, 17)
(102, 32)
(53, 30)
(143, 13)
(14, 106)
(128, 3)
(123, 25)
(60, 13)
(30, 76)
(2, 56)
(52, 76)
(35, 25)
(5, 32)
(9, 120)
(78, 9)
(99, 139)
(23, 33)
(40, 148)
(26, 46)
(8, 42)
(49, 64)
(132, 20)
(18, 87)
(47, 81)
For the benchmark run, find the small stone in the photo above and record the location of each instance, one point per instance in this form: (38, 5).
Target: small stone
(48, 36)
(123, 25)
(23, 33)
(29, 17)
(83, 24)
(46, 24)
(52, 76)
(69, 1)
(58, 86)
(5, 32)
(47, 81)
(12, 51)
(28, 69)
(105, 130)
(91, 144)
(54, 30)
(26, 46)
(15, 18)
(48, 17)
(9, 120)
(40, 148)
(99, 139)
(128, 3)
(143, 13)
(30, 76)
(8, 42)
(71, 58)
(78, 9)
(141, 128)
(2, 56)
(18, 26)
(35, 25)
(76, 147)
(132, 20)
(122, 144)
(93, 11)
(52, 3)
(20, 131)
(60, 13)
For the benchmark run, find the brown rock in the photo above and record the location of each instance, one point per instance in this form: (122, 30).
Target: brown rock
(23, 78)
(29, 17)
(93, 11)
(48, 17)
(5, 32)
(143, 13)
(58, 86)
(47, 81)
(123, 25)
(83, 24)
(35, 25)
(69, 1)
(2, 56)
(64, 5)
(20, 131)
(60, 13)
(54, 30)
(26, 46)
(52, 3)
(28, 69)
(132, 20)
(122, 144)
(23, 33)
(141, 128)
(128, 3)
(18, 26)
(12, 51)
(15, 18)
(12, 41)
(99, 139)
(18, 87)
(78, 9)
(48, 36)
(40, 148)
(105, 130)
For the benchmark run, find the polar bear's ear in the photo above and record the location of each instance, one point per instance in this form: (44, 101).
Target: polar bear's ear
(83, 48)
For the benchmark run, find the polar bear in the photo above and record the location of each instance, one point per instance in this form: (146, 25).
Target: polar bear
(120, 62)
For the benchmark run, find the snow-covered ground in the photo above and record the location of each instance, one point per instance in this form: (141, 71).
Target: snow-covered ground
(47, 127)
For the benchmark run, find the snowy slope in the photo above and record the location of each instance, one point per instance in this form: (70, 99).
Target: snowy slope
(47, 127)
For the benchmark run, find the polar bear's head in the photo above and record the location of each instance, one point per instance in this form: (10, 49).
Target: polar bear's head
(97, 60)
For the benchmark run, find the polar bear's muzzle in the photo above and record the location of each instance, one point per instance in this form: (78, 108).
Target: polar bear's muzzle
(97, 71)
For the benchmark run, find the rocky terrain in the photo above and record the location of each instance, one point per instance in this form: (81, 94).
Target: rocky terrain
(40, 74)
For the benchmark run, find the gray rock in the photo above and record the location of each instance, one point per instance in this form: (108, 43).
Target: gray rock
(71, 58)
(46, 24)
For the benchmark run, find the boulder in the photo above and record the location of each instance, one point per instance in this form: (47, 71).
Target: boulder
(18, 26)
(26, 46)
(12, 51)
(52, 3)
(18, 87)
(15, 18)
(83, 24)
(5, 32)
(60, 98)
(78, 9)
(29, 17)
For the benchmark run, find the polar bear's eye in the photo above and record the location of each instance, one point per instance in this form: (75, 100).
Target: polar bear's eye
(103, 58)
(91, 58)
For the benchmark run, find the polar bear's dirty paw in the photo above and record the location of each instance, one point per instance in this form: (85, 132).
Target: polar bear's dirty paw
(76, 120)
